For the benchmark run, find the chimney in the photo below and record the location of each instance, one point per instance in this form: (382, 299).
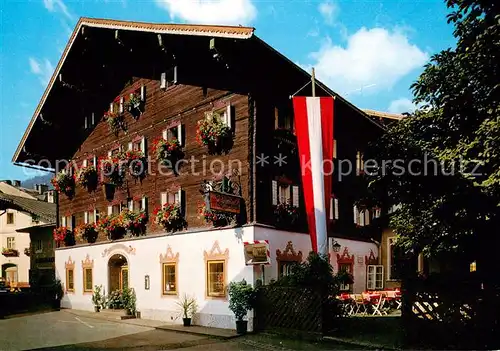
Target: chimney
(41, 188)
(17, 183)
(51, 196)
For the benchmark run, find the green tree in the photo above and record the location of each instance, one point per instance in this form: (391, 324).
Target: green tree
(450, 202)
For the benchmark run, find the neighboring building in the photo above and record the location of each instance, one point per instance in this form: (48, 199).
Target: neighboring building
(19, 210)
(183, 73)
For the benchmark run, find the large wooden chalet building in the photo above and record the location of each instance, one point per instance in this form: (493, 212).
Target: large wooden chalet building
(181, 74)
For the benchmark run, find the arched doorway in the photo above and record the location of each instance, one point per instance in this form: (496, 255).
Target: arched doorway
(9, 273)
(118, 272)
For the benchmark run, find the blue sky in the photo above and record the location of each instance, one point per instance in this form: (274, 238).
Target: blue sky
(368, 51)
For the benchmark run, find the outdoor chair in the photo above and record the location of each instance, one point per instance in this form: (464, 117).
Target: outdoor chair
(360, 304)
(378, 306)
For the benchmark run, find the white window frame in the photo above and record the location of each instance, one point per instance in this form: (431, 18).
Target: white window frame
(288, 192)
(390, 241)
(86, 218)
(142, 145)
(334, 208)
(372, 271)
(179, 134)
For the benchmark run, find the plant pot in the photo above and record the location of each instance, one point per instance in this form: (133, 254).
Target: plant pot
(187, 322)
(108, 191)
(241, 327)
(97, 309)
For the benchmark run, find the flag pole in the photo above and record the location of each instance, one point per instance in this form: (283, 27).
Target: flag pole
(313, 80)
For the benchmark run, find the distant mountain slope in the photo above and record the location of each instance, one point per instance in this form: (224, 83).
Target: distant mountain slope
(41, 179)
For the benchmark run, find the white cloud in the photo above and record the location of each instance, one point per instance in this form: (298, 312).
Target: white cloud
(402, 105)
(329, 11)
(211, 11)
(56, 6)
(43, 70)
(375, 57)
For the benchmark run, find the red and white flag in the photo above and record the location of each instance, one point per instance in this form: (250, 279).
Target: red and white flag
(314, 129)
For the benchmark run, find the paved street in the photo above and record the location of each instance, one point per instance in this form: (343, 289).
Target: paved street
(66, 331)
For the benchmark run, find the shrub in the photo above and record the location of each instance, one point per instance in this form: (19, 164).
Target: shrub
(241, 296)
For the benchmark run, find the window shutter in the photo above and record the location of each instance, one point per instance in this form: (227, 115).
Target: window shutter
(85, 217)
(130, 146)
(144, 148)
(174, 75)
(96, 215)
(367, 217)
(336, 206)
(111, 107)
(110, 210)
(110, 153)
(165, 134)
(334, 148)
(85, 163)
(370, 278)
(274, 192)
(379, 277)
(86, 122)
(295, 196)
(131, 204)
(180, 134)
(144, 204)
(93, 118)
(362, 218)
(63, 221)
(95, 161)
(163, 199)
(356, 214)
(332, 210)
(163, 81)
(229, 116)
(73, 220)
(180, 194)
(143, 93)
(121, 104)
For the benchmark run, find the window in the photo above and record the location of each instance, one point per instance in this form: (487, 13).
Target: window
(375, 277)
(174, 132)
(216, 282)
(91, 216)
(70, 279)
(138, 144)
(87, 279)
(283, 119)
(360, 163)
(168, 78)
(394, 259)
(68, 221)
(284, 193)
(172, 198)
(346, 267)
(11, 242)
(115, 209)
(362, 217)
(115, 150)
(137, 204)
(169, 279)
(91, 161)
(334, 208)
(285, 267)
(37, 245)
(10, 218)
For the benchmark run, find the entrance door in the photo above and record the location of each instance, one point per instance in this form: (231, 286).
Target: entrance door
(124, 277)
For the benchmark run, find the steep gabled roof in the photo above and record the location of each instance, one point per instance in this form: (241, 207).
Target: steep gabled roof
(45, 210)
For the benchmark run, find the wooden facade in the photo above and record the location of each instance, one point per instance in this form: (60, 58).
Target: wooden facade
(103, 64)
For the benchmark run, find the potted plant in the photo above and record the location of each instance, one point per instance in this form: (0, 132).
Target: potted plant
(64, 234)
(136, 163)
(114, 168)
(87, 232)
(115, 121)
(87, 178)
(113, 226)
(167, 152)
(64, 183)
(129, 301)
(241, 297)
(135, 105)
(98, 297)
(170, 217)
(188, 308)
(115, 300)
(213, 133)
(56, 292)
(286, 214)
(135, 222)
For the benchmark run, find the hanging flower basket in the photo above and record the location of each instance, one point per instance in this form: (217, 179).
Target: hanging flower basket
(170, 217)
(64, 184)
(115, 121)
(10, 252)
(114, 168)
(63, 234)
(135, 222)
(87, 232)
(88, 178)
(27, 251)
(136, 163)
(167, 152)
(213, 133)
(112, 226)
(218, 219)
(286, 215)
(135, 105)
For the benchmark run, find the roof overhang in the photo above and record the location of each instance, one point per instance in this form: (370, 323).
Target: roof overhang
(36, 227)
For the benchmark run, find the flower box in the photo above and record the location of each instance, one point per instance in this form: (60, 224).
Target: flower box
(135, 105)
(115, 121)
(10, 252)
(170, 217)
(167, 152)
(88, 178)
(286, 215)
(64, 234)
(114, 168)
(113, 226)
(136, 163)
(87, 232)
(135, 222)
(213, 133)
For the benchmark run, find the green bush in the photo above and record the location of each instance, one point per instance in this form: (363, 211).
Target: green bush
(241, 297)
